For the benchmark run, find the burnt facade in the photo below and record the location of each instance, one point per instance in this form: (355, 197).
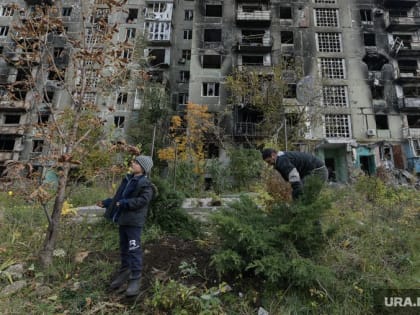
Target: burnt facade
(362, 54)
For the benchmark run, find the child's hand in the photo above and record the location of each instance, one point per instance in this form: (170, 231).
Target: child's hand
(100, 204)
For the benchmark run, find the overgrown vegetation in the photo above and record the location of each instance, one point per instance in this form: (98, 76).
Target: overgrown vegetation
(268, 252)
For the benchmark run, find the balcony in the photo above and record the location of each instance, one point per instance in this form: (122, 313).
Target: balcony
(409, 49)
(12, 130)
(262, 18)
(399, 3)
(262, 44)
(248, 129)
(5, 156)
(401, 23)
(410, 132)
(410, 104)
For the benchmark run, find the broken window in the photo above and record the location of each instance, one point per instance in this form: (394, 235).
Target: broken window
(398, 12)
(325, 1)
(43, 117)
(377, 92)
(6, 10)
(186, 54)
(326, 17)
(132, 15)
(366, 16)
(413, 121)
(405, 40)
(252, 36)
(130, 33)
(290, 91)
(285, 13)
(212, 35)
(11, 119)
(184, 76)
(37, 146)
(210, 89)
(212, 61)
(381, 122)
(7, 144)
(122, 98)
(288, 62)
(375, 62)
(328, 42)
(411, 91)
(4, 30)
(369, 39)
(286, 37)
(416, 146)
(253, 60)
(337, 126)
(183, 98)
(156, 57)
(213, 10)
(408, 66)
(335, 95)
(188, 34)
(119, 121)
(188, 15)
(66, 11)
(333, 68)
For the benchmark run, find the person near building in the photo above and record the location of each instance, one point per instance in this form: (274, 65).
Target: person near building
(129, 208)
(295, 166)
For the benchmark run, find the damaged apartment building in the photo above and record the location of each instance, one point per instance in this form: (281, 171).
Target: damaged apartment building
(364, 54)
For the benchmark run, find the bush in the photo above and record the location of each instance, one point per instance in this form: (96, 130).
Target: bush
(166, 212)
(277, 245)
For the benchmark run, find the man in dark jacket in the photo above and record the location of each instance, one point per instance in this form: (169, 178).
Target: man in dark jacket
(295, 166)
(129, 208)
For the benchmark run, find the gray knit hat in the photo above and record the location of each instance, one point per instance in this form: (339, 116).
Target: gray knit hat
(145, 162)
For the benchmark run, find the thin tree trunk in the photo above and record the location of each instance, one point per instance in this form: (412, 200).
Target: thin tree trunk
(46, 253)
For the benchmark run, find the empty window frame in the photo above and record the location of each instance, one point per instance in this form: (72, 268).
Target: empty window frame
(377, 92)
(286, 37)
(186, 54)
(408, 66)
(416, 146)
(210, 89)
(48, 96)
(214, 10)
(130, 33)
(325, 1)
(6, 10)
(132, 15)
(188, 34)
(11, 119)
(188, 15)
(329, 42)
(381, 122)
(252, 36)
(212, 61)
(337, 126)
(43, 117)
(66, 11)
(325, 17)
(290, 91)
(119, 121)
(369, 39)
(253, 60)
(7, 144)
(4, 30)
(122, 98)
(158, 30)
(285, 13)
(332, 68)
(335, 95)
(411, 91)
(183, 98)
(366, 16)
(92, 79)
(212, 35)
(37, 146)
(127, 53)
(184, 76)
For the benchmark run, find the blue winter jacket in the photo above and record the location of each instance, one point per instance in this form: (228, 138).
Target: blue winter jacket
(134, 195)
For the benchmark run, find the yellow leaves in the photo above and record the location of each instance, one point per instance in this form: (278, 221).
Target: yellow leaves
(10, 193)
(40, 195)
(188, 137)
(68, 209)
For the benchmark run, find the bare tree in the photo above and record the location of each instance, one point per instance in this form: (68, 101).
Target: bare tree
(74, 58)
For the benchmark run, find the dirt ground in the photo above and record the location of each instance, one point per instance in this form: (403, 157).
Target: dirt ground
(162, 260)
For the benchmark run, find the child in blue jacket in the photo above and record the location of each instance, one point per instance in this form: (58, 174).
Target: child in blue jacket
(129, 208)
